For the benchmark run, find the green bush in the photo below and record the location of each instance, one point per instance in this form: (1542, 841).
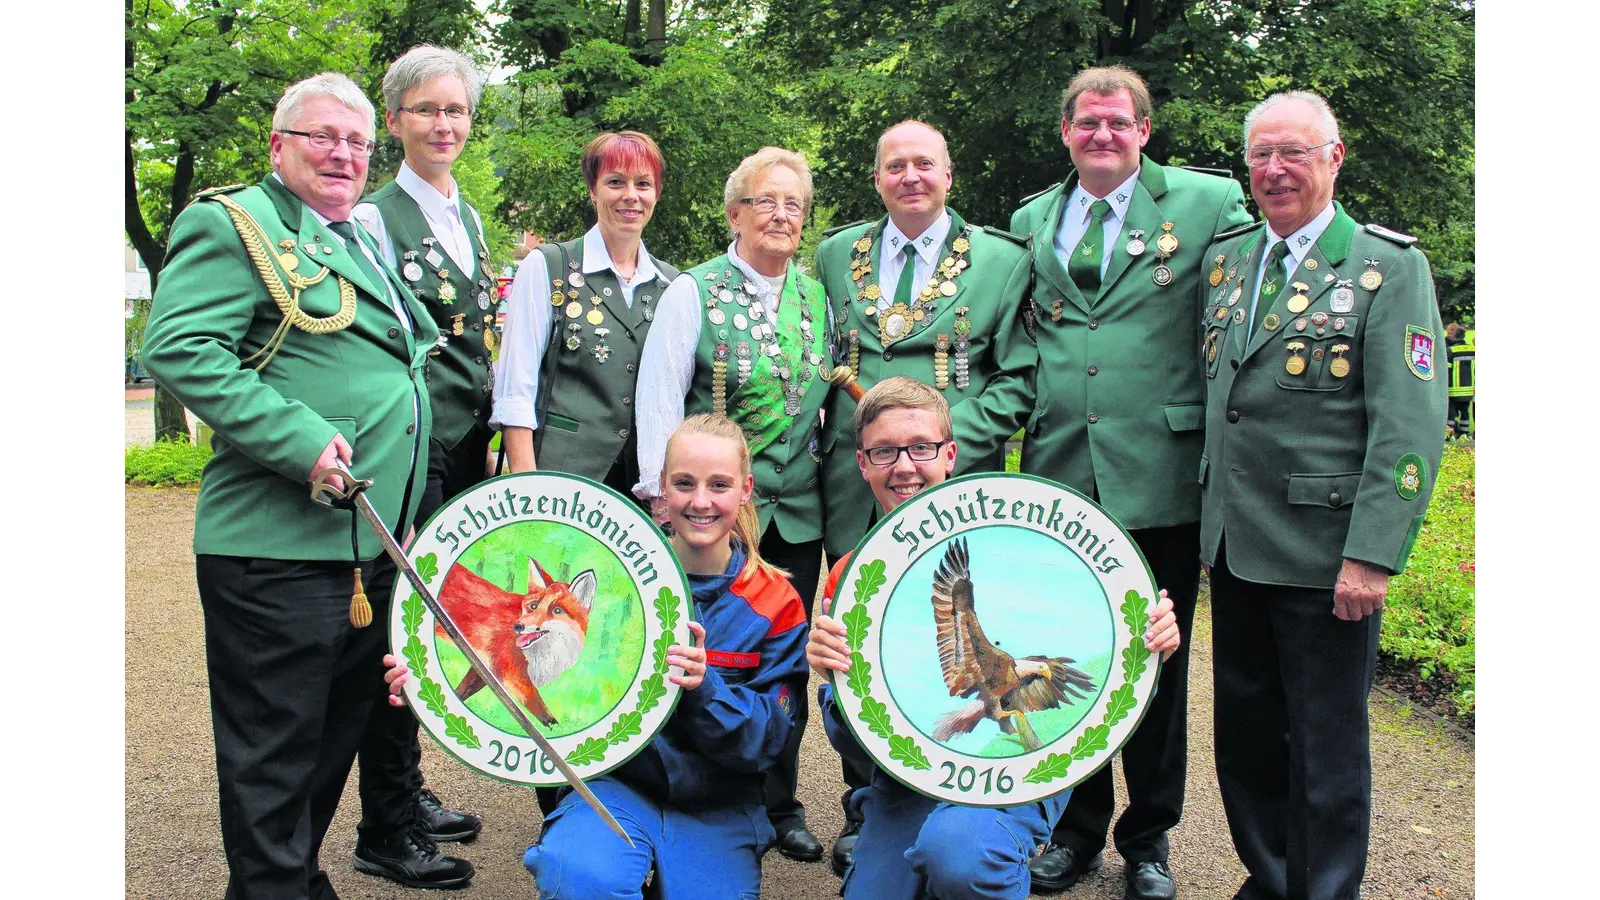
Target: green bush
(166, 463)
(1428, 617)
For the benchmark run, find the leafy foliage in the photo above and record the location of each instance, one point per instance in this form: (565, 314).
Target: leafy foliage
(428, 567)
(1429, 615)
(166, 462)
(432, 696)
(626, 726)
(458, 729)
(905, 750)
(590, 750)
(1049, 769)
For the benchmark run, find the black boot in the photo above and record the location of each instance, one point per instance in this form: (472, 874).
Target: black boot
(412, 859)
(445, 824)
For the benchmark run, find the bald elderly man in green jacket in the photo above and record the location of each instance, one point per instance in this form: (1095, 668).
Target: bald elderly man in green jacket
(1119, 253)
(280, 326)
(920, 292)
(1325, 422)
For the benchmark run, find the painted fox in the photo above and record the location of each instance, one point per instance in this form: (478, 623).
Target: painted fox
(527, 639)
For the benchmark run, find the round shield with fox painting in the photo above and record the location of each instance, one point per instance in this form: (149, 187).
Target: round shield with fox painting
(570, 596)
(996, 624)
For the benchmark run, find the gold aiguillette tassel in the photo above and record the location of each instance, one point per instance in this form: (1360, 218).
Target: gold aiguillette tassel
(360, 609)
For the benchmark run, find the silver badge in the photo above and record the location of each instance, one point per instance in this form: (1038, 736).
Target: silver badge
(483, 301)
(740, 322)
(1238, 316)
(1344, 300)
(1162, 275)
(575, 279)
(433, 258)
(412, 271)
(716, 316)
(1135, 247)
(725, 295)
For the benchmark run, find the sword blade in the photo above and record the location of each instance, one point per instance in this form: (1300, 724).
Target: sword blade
(364, 507)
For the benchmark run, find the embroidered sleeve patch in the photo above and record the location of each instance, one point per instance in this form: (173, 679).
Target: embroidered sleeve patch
(1409, 473)
(1419, 351)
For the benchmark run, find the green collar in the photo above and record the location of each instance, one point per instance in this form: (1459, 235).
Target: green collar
(1335, 240)
(1151, 175)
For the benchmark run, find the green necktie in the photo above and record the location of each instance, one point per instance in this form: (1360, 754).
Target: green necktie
(1084, 266)
(1272, 270)
(348, 232)
(908, 276)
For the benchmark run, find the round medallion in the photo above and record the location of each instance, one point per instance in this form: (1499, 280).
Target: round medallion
(716, 316)
(1319, 318)
(961, 613)
(483, 301)
(595, 317)
(725, 295)
(290, 262)
(1300, 324)
(739, 322)
(1298, 303)
(1338, 324)
(895, 326)
(556, 298)
(1270, 323)
(1371, 280)
(1340, 367)
(947, 288)
(1238, 316)
(1316, 355)
(1136, 247)
(1167, 243)
(1295, 365)
(412, 271)
(1162, 275)
(575, 279)
(574, 309)
(592, 677)
(1215, 277)
(918, 314)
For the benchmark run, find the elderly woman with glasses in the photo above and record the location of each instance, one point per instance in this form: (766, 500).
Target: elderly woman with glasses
(743, 336)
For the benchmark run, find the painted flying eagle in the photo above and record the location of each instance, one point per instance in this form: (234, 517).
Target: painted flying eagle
(1007, 688)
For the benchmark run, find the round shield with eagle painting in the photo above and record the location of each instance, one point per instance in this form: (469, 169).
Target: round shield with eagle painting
(996, 627)
(571, 597)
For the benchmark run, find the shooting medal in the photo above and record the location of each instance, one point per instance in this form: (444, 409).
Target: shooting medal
(447, 291)
(1298, 303)
(602, 351)
(596, 317)
(1270, 323)
(1344, 299)
(456, 326)
(1136, 244)
(594, 678)
(574, 329)
(1340, 367)
(1167, 243)
(1216, 274)
(1063, 597)
(1162, 276)
(574, 309)
(1295, 364)
(1371, 279)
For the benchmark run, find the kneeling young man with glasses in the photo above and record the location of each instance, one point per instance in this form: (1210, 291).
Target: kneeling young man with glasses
(912, 846)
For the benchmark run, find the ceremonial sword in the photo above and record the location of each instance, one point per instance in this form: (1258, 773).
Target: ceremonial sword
(354, 493)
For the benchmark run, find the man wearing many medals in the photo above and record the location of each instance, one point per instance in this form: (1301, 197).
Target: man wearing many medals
(1118, 258)
(428, 231)
(922, 293)
(279, 324)
(742, 336)
(1325, 418)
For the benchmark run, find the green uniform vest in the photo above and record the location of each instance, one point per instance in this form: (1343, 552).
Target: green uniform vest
(590, 368)
(785, 456)
(459, 381)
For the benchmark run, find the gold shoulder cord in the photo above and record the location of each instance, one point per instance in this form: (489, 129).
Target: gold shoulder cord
(255, 239)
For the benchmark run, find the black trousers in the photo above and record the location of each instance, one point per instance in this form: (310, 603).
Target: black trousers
(804, 564)
(1293, 758)
(292, 686)
(857, 774)
(390, 754)
(1155, 758)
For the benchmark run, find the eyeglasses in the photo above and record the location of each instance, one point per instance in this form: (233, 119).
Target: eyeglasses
(322, 140)
(428, 111)
(1118, 125)
(923, 451)
(768, 205)
(1291, 154)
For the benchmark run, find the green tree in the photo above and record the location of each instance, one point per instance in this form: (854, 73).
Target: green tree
(201, 80)
(989, 74)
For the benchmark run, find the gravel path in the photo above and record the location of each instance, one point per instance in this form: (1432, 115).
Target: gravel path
(1422, 833)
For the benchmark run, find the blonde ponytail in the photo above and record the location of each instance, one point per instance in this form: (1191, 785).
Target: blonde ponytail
(747, 523)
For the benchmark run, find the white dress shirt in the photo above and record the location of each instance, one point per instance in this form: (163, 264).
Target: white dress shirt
(891, 257)
(527, 331)
(1075, 220)
(442, 213)
(1300, 244)
(666, 367)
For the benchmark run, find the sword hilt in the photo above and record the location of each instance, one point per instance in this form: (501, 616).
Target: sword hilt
(325, 492)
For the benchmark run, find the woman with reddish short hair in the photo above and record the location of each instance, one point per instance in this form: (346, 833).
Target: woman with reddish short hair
(576, 322)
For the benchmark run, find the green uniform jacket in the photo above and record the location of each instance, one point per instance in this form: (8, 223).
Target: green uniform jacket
(1332, 456)
(1119, 409)
(787, 485)
(212, 310)
(459, 380)
(993, 405)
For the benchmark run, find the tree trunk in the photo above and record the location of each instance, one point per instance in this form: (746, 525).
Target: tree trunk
(630, 25)
(655, 39)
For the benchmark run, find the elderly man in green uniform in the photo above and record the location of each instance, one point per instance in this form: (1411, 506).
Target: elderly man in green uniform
(1118, 258)
(920, 293)
(429, 233)
(1324, 427)
(278, 324)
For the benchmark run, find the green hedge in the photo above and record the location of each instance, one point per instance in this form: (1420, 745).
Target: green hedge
(166, 463)
(1429, 617)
